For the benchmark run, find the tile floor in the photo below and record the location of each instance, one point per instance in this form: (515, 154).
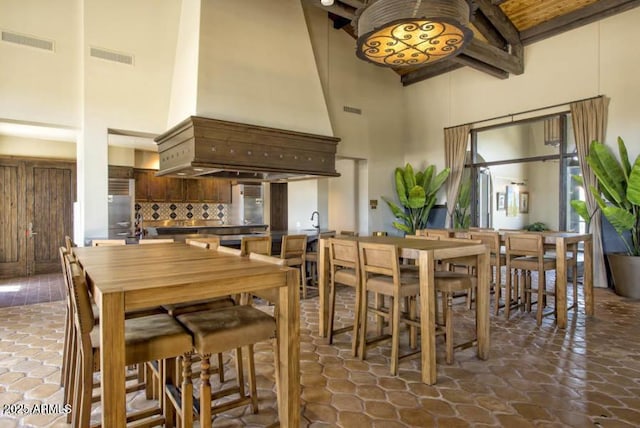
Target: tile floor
(585, 376)
(30, 290)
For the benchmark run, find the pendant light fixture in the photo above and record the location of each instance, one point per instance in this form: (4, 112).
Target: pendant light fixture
(399, 33)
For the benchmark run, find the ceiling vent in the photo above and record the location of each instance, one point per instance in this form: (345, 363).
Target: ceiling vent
(22, 39)
(108, 55)
(353, 110)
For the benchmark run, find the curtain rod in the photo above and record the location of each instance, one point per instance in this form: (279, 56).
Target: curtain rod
(524, 112)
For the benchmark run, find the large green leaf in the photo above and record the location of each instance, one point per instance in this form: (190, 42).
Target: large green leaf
(427, 176)
(624, 158)
(409, 176)
(621, 219)
(633, 187)
(396, 210)
(403, 227)
(578, 179)
(608, 170)
(581, 209)
(417, 197)
(401, 190)
(438, 181)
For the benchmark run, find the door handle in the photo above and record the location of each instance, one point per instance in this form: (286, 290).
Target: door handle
(30, 231)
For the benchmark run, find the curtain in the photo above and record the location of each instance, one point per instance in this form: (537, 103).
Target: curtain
(455, 149)
(589, 123)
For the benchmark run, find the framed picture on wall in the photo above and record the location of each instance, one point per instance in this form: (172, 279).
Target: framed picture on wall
(513, 206)
(500, 201)
(524, 202)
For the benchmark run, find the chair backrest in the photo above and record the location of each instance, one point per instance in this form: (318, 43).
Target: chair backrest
(433, 238)
(524, 244)
(69, 244)
(157, 241)
(379, 259)
(199, 244)
(344, 253)
(267, 259)
(256, 244)
(348, 233)
(490, 238)
(229, 250)
(80, 298)
(293, 246)
(213, 241)
(443, 233)
(107, 242)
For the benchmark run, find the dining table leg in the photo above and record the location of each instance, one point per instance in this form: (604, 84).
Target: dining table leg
(483, 293)
(426, 265)
(112, 365)
(323, 288)
(561, 283)
(587, 278)
(288, 358)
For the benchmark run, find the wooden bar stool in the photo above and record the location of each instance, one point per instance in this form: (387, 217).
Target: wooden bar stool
(380, 270)
(293, 251)
(255, 244)
(344, 269)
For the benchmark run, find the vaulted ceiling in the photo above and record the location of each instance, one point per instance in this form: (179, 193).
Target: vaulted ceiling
(501, 30)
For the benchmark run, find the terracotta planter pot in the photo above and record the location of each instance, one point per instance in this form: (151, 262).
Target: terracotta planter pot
(625, 271)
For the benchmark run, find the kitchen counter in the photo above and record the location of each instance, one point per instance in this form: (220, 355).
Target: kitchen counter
(178, 227)
(233, 240)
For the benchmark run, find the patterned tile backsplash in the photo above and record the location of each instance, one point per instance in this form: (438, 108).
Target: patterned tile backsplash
(186, 211)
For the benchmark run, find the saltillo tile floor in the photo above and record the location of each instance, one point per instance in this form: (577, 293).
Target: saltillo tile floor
(585, 376)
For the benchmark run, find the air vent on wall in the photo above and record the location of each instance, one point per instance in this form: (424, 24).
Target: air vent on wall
(120, 57)
(352, 110)
(25, 40)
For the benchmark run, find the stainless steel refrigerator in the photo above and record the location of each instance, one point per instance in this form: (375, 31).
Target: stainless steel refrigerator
(247, 205)
(121, 208)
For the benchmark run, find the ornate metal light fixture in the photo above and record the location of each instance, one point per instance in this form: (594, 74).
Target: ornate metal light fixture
(398, 33)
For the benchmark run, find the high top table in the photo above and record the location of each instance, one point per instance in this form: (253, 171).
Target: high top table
(131, 277)
(426, 252)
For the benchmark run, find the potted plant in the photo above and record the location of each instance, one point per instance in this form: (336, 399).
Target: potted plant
(417, 194)
(618, 197)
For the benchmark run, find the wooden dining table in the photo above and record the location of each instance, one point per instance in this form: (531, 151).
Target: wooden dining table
(125, 278)
(426, 253)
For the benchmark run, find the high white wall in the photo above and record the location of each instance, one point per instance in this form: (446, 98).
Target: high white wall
(377, 135)
(34, 147)
(585, 62)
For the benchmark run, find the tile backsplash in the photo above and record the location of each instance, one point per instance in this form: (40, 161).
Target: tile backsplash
(183, 211)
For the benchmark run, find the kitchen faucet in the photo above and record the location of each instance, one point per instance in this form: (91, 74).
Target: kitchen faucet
(313, 214)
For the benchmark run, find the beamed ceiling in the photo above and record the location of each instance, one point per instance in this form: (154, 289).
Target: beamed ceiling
(501, 30)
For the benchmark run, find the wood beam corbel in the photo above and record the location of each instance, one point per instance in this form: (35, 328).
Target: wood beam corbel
(429, 71)
(504, 26)
(463, 59)
(494, 56)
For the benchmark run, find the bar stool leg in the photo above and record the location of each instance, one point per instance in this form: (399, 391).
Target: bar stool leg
(448, 326)
(205, 393)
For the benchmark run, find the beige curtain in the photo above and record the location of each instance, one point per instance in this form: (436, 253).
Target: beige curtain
(590, 123)
(455, 148)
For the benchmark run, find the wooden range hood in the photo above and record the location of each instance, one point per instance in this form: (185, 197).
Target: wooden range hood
(201, 147)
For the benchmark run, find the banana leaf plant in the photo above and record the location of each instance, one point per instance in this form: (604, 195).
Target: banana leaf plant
(618, 195)
(462, 210)
(416, 192)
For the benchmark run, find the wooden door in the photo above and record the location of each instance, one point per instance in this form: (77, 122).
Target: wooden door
(49, 214)
(37, 212)
(13, 261)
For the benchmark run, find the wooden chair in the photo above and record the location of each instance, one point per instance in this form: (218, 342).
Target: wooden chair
(312, 258)
(380, 270)
(344, 269)
(107, 242)
(229, 250)
(219, 331)
(524, 254)
(155, 337)
(293, 251)
(255, 244)
(156, 241)
(497, 259)
(440, 233)
(212, 242)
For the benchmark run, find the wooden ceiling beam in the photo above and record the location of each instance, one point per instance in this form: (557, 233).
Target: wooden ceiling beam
(486, 28)
(463, 59)
(500, 21)
(429, 71)
(586, 15)
(336, 8)
(494, 56)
